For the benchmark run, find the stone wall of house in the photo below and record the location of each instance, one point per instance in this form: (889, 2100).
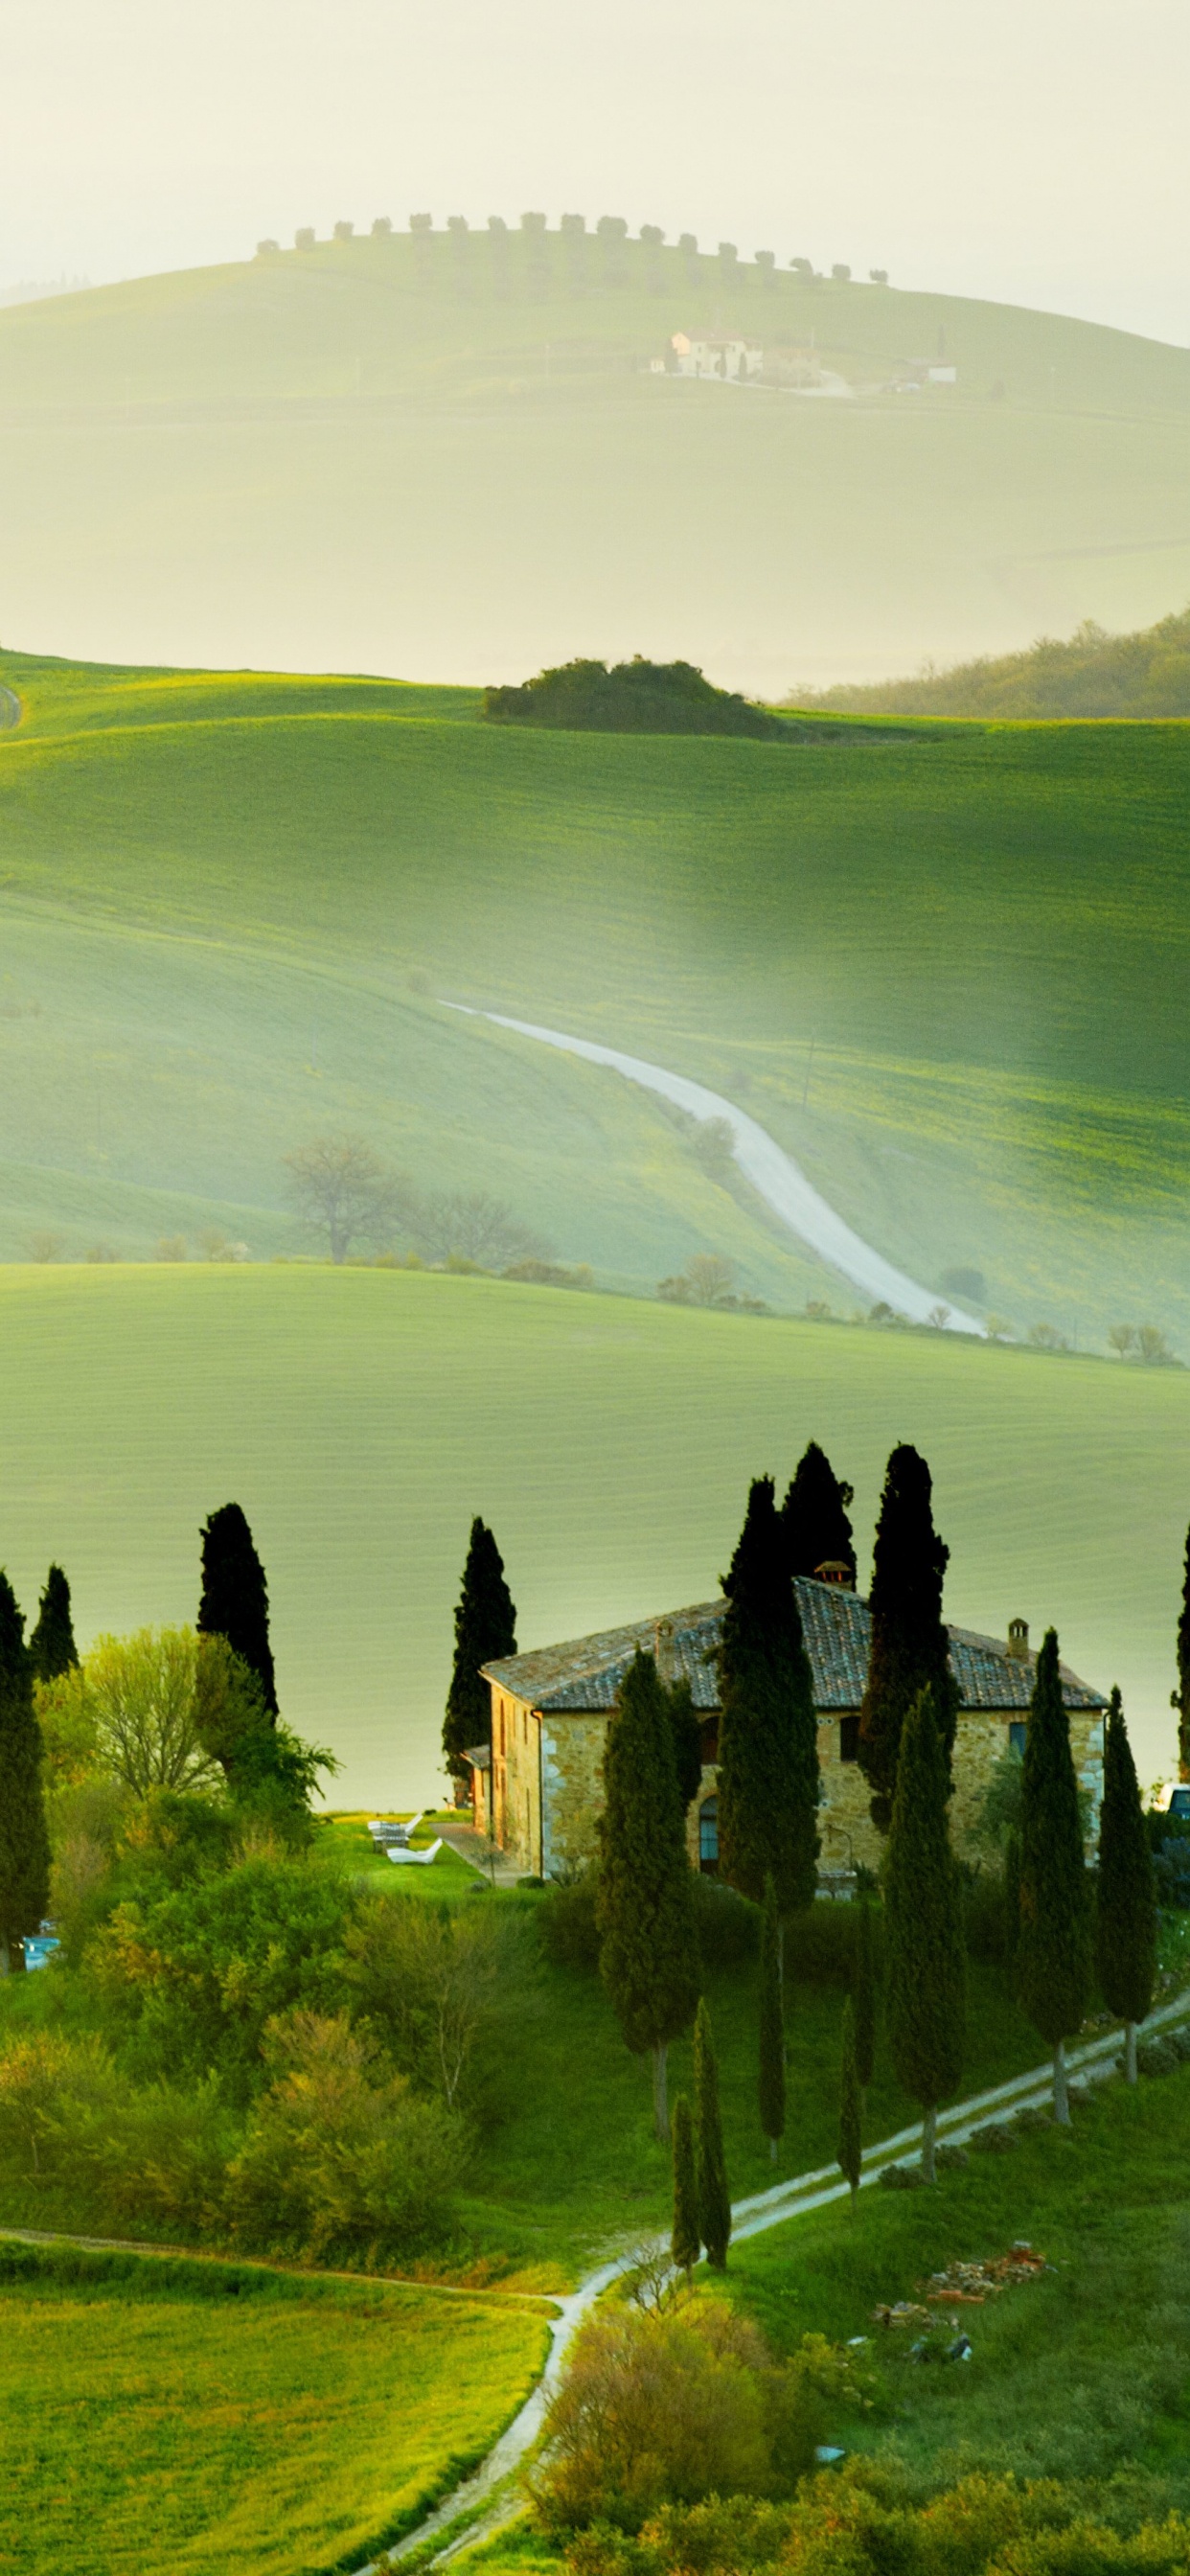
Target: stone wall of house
(568, 1765)
(572, 1771)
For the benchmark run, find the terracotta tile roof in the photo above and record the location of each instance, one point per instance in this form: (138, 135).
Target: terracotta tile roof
(586, 1673)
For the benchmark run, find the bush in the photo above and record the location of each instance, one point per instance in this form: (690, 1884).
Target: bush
(728, 1926)
(338, 2153)
(822, 1945)
(1156, 2057)
(985, 1921)
(630, 697)
(429, 1979)
(995, 2138)
(670, 2407)
(152, 2157)
(901, 2177)
(569, 1932)
(950, 2159)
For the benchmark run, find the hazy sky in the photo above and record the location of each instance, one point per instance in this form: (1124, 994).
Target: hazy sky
(1033, 150)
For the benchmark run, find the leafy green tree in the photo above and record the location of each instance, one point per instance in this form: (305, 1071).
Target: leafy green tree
(923, 1938)
(814, 1516)
(851, 2108)
(1126, 1927)
(266, 1766)
(864, 1999)
(52, 1649)
(910, 1648)
(1053, 1959)
(485, 1631)
(714, 2198)
(772, 2024)
(24, 1841)
(1181, 1697)
(685, 2243)
(1012, 1896)
(768, 1733)
(648, 1956)
(235, 1600)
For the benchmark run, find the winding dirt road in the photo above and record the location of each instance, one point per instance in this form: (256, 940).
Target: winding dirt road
(779, 1181)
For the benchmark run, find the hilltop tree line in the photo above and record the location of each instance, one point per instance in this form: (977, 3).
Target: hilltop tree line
(1090, 674)
(500, 256)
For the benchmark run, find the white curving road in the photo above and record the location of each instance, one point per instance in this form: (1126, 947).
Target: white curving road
(773, 1173)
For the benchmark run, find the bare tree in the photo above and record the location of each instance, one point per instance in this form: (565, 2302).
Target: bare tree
(1123, 1339)
(343, 1190)
(480, 1229)
(1154, 1349)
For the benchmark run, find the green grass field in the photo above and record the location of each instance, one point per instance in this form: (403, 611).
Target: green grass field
(944, 966)
(376, 457)
(155, 2421)
(362, 1416)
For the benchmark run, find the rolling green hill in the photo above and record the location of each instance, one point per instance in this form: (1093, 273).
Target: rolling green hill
(434, 457)
(944, 966)
(362, 1416)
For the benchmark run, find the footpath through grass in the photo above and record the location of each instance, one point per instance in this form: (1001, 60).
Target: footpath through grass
(211, 2420)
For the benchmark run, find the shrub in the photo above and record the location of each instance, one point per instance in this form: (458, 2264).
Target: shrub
(950, 2159)
(822, 1945)
(145, 2157)
(728, 1926)
(901, 2177)
(569, 1931)
(670, 2407)
(429, 1978)
(995, 2138)
(1156, 2057)
(338, 2153)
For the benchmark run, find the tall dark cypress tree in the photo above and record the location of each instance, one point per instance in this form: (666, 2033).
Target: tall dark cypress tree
(771, 2068)
(1126, 1925)
(814, 1516)
(851, 2108)
(910, 1647)
(1181, 1697)
(768, 1732)
(52, 1649)
(1012, 1899)
(1053, 1956)
(24, 1842)
(685, 2243)
(925, 1967)
(235, 1599)
(485, 1631)
(648, 1955)
(865, 1998)
(714, 2197)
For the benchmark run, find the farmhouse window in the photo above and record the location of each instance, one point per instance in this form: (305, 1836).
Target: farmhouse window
(849, 1739)
(1016, 1735)
(708, 1837)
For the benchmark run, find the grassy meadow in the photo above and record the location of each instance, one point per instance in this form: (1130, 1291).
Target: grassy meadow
(420, 457)
(361, 1416)
(943, 964)
(232, 2421)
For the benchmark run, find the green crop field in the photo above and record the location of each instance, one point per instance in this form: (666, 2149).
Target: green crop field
(420, 458)
(236, 2422)
(361, 1416)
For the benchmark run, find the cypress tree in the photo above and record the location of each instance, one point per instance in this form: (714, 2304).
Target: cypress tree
(772, 2025)
(865, 1998)
(52, 1649)
(1126, 1926)
(687, 1735)
(485, 1631)
(923, 1931)
(851, 2111)
(235, 1600)
(685, 2243)
(1053, 1958)
(648, 1955)
(814, 1516)
(1181, 1697)
(24, 1842)
(910, 1648)
(768, 1732)
(714, 2198)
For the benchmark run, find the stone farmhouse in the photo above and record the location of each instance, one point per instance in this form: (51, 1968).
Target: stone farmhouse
(539, 1788)
(717, 354)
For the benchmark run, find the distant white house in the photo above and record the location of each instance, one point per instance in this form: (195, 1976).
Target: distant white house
(731, 360)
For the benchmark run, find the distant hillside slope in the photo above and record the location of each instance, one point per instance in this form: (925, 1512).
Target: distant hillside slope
(448, 456)
(1092, 674)
(943, 965)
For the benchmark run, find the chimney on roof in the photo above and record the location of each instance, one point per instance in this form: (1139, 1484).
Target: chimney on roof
(664, 1655)
(1018, 1640)
(834, 1569)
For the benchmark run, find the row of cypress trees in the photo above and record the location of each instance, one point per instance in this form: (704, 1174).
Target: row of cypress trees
(233, 1604)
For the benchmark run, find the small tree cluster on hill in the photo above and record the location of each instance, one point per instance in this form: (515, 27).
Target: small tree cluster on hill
(630, 697)
(1091, 673)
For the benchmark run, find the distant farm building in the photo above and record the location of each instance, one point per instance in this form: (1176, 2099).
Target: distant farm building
(719, 355)
(539, 1788)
